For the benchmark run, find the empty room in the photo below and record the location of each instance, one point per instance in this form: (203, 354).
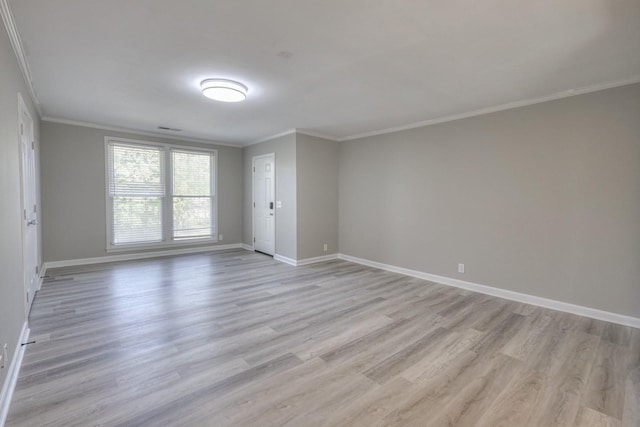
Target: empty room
(336, 213)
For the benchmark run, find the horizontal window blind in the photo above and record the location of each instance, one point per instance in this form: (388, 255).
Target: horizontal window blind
(192, 195)
(136, 170)
(137, 220)
(137, 189)
(159, 194)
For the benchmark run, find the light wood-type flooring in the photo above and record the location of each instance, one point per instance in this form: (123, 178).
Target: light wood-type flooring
(237, 339)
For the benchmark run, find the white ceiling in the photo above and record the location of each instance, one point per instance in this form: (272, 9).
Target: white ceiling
(339, 68)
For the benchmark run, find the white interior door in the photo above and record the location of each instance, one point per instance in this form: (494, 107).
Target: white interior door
(29, 204)
(264, 186)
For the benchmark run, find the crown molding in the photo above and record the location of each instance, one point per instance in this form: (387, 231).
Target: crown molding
(136, 132)
(497, 108)
(293, 131)
(453, 117)
(316, 135)
(268, 138)
(16, 43)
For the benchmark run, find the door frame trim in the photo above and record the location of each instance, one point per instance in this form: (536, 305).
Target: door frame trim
(253, 198)
(28, 302)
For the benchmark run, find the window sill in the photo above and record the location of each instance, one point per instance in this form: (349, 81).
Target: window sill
(174, 244)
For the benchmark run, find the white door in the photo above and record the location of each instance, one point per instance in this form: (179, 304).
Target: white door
(29, 207)
(264, 186)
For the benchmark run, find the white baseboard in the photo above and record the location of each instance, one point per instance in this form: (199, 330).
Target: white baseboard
(138, 255)
(38, 287)
(12, 374)
(41, 271)
(306, 261)
(503, 293)
(323, 258)
(286, 260)
(484, 289)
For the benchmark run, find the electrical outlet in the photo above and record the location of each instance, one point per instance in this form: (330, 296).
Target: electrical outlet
(326, 247)
(460, 268)
(220, 237)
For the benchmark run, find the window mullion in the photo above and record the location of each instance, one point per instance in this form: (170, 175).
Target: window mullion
(214, 194)
(167, 217)
(140, 212)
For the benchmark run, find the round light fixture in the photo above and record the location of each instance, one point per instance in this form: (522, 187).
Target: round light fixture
(224, 90)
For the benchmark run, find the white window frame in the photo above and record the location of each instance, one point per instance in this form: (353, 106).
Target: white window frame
(167, 204)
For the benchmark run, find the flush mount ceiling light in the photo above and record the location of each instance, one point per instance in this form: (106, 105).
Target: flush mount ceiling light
(224, 90)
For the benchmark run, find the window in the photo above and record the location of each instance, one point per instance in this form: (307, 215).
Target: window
(136, 191)
(192, 196)
(159, 195)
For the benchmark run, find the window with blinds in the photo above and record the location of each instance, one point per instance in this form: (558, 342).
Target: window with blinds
(159, 194)
(192, 194)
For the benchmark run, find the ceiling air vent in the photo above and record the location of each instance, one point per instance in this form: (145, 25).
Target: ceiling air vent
(169, 129)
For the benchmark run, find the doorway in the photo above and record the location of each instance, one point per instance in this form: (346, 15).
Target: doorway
(29, 199)
(264, 186)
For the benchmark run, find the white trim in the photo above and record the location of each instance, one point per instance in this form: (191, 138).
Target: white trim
(16, 42)
(41, 271)
(12, 374)
(27, 129)
(496, 108)
(253, 197)
(195, 241)
(294, 131)
(167, 209)
(503, 293)
(134, 256)
(269, 138)
(316, 134)
(464, 115)
(171, 137)
(315, 260)
(247, 247)
(306, 261)
(286, 260)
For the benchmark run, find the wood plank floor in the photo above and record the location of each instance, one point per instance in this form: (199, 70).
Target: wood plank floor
(238, 339)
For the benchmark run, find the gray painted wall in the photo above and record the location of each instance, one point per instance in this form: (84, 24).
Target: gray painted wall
(12, 291)
(73, 190)
(284, 148)
(543, 199)
(317, 177)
